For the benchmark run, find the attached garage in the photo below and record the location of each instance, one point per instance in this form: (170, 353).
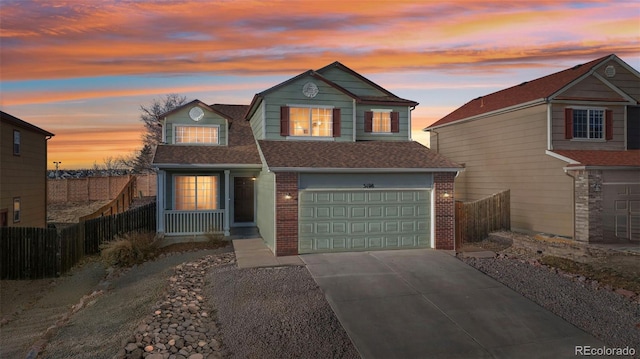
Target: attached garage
(353, 219)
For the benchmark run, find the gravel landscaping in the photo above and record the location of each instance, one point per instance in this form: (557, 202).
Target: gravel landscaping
(608, 315)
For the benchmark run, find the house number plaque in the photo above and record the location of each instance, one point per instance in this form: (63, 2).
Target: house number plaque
(368, 185)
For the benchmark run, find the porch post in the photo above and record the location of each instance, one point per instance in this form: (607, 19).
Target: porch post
(227, 213)
(160, 193)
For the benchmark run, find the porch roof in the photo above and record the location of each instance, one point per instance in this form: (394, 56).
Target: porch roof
(601, 158)
(362, 155)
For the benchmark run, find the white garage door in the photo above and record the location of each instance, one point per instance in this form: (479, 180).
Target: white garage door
(353, 220)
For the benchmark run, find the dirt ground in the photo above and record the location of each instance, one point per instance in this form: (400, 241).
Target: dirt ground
(70, 212)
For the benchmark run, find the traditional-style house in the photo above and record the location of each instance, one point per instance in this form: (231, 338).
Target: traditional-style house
(23, 173)
(321, 162)
(567, 145)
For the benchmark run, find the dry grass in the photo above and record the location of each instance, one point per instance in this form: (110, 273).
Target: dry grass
(129, 249)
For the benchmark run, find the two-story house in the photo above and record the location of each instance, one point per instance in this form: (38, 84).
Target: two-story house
(566, 145)
(23, 173)
(321, 162)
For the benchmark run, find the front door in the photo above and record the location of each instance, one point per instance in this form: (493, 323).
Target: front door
(243, 199)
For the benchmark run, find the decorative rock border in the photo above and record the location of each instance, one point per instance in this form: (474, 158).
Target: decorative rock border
(182, 325)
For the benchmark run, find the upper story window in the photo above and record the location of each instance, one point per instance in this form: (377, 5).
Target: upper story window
(310, 121)
(381, 121)
(16, 142)
(197, 134)
(588, 123)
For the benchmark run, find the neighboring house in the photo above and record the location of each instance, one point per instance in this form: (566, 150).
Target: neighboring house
(23, 173)
(566, 145)
(321, 162)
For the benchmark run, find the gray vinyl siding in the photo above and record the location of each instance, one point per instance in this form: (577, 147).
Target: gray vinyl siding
(507, 151)
(402, 135)
(265, 188)
(256, 121)
(181, 117)
(291, 95)
(558, 136)
(358, 180)
(352, 83)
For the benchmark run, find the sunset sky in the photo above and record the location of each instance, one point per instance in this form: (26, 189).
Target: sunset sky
(82, 68)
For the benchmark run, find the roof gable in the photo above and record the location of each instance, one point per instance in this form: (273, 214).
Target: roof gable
(377, 95)
(24, 124)
(195, 103)
(540, 89)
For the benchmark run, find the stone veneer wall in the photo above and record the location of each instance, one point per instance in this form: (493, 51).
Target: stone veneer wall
(588, 205)
(444, 210)
(286, 214)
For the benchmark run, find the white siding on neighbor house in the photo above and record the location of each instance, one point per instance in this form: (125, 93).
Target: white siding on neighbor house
(507, 151)
(266, 204)
(291, 95)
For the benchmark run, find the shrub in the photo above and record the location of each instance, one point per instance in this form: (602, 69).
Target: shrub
(129, 249)
(215, 239)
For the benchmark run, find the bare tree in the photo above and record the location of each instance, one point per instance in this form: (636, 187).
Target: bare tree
(151, 117)
(153, 131)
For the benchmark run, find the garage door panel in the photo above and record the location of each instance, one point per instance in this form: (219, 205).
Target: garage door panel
(364, 220)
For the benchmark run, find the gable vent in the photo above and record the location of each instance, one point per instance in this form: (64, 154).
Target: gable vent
(610, 71)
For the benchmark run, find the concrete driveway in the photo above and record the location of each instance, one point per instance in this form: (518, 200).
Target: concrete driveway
(428, 304)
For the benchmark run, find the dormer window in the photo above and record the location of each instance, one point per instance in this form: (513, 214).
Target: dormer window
(208, 135)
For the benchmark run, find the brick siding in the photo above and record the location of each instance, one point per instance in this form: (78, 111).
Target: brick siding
(286, 214)
(444, 210)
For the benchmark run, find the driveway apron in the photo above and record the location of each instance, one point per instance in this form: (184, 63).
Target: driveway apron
(428, 304)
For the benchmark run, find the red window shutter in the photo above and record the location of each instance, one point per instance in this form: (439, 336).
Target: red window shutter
(568, 123)
(336, 122)
(609, 124)
(395, 121)
(284, 121)
(368, 121)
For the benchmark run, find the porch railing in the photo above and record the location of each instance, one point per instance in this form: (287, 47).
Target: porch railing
(193, 222)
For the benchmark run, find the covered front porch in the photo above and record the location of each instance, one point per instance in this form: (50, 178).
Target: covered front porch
(194, 202)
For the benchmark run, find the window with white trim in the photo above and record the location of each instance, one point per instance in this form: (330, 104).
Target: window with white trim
(310, 121)
(195, 193)
(381, 121)
(16, 209)
(588, 123)
(197, 134)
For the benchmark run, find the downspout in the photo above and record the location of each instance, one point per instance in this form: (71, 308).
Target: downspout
(354, 120)
(549, 125)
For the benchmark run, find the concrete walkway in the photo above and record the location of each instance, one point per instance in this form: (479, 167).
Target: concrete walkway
(428, 304)
(252, 253)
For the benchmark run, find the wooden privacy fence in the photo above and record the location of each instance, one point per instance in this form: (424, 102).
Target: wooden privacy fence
(33, 253)
(475, 220)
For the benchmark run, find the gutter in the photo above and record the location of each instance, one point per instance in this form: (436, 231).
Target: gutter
(582, 168)
(206, 166)
(363, 170)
